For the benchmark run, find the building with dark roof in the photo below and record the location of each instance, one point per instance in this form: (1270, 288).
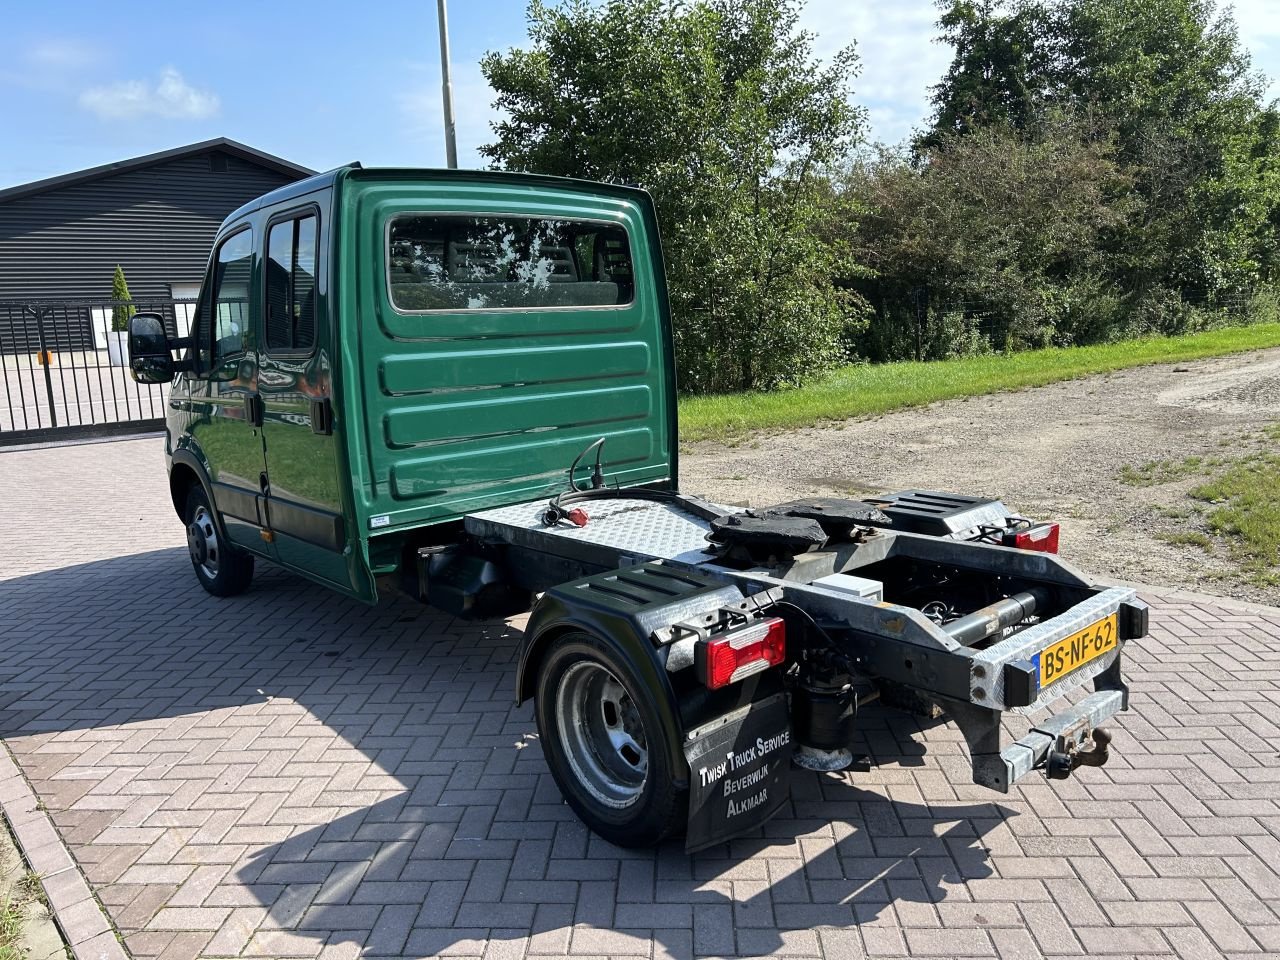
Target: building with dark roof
(155, 216)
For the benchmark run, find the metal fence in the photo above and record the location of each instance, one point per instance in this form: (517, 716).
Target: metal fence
(64, 373)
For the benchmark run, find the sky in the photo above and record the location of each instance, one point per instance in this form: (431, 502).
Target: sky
(86, 83)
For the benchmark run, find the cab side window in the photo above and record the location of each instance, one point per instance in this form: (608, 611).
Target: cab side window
(232, 271)
(291, 285)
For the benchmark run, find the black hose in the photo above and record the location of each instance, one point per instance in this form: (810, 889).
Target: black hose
(691, 505)
(597, 476)
(557, 509)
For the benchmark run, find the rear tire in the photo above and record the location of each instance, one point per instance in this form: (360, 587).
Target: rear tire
(221, 569)
(605, 746)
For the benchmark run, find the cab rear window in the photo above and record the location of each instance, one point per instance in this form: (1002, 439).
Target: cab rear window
(506, 263)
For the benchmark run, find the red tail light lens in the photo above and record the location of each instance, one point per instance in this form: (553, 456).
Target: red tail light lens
(735, 656)
(1042, 537)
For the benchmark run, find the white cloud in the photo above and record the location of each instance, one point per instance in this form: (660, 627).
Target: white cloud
(898, 56)
(50, 64)
(1260, 30)
(62, 54)
(897, 48)
(171, 97)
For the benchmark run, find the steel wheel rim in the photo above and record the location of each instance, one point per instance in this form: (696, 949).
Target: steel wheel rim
(202, 542)
(602, 734)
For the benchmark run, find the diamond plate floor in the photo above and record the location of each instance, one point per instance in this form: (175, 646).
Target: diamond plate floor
(292, 774)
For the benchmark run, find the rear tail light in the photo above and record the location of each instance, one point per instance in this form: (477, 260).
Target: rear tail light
(1042, 537)
(735, 656)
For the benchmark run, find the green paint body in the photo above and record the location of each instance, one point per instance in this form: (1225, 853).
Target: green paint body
(434, 414)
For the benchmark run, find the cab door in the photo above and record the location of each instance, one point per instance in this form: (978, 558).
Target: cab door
(226, 423)
(294, 381)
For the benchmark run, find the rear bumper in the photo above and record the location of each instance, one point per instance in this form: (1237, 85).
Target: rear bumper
(1071, 724)
(993, 669)
(1073, 727)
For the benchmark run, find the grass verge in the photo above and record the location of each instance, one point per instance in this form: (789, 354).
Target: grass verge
(871, 389)
(1246, 499)
(12, 919)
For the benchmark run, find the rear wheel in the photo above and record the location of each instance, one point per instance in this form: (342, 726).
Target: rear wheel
(221, 569)
(605, 745)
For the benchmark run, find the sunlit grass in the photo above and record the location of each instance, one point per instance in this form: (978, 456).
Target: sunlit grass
(1156, 472)
(12, 918)
(874, 389)
(1246, 498)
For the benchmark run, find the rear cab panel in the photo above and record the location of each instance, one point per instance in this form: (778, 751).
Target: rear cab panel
(467, 405)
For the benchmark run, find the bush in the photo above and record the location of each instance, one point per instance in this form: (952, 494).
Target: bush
(124, 308)
(1000, 232)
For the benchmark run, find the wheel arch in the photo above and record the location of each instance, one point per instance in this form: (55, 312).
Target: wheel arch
(552, 619)
(186, 472)
(532, 651)
(181, 479)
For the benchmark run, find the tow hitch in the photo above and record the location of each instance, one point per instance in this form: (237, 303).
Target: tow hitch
(1068, 753)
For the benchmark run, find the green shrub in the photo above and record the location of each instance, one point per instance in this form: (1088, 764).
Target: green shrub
(124, 308)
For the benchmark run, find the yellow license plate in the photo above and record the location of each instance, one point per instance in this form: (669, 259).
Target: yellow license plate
(1075, 651)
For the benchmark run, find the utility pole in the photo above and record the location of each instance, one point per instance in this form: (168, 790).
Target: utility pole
(450, 141)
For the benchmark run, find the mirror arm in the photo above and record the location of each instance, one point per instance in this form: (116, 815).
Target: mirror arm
(184, 365)
(180, 343)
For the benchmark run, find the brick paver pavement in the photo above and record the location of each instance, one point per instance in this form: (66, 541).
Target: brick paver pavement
(289, 773)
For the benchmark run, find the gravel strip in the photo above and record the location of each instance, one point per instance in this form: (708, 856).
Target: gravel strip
(1052, 452)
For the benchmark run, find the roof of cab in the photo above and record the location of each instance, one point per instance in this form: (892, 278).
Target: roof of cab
(300, 188)
(290, 190)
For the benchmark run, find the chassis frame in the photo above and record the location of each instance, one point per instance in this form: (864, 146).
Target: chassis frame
(886, 641)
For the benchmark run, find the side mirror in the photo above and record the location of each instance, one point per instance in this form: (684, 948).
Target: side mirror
(150, 357)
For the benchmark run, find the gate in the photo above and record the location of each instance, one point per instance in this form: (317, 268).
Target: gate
(64, 374)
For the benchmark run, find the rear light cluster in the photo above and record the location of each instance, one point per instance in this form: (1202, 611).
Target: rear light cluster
(1040, 536)
(736, 655)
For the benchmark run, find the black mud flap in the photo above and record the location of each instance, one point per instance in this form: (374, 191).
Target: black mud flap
(739, 771)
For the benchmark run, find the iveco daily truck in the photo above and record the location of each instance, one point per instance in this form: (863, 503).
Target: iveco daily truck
(460, 385)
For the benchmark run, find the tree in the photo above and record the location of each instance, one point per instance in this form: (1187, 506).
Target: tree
(123, 309)
(991, 223)
(1173, 82)
(999, 71)
(1168, 84)
(720, 110)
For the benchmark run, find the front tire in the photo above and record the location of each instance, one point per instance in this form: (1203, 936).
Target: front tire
(221, 569)
(605, 744)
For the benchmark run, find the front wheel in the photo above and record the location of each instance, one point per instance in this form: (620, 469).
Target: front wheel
(221, 569)
(605, 744)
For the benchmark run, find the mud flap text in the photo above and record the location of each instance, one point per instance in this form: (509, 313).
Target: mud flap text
(739, 772)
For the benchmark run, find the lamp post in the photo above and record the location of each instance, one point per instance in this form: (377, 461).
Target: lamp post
(450, 141)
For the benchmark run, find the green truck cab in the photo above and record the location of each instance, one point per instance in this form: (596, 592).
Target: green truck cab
(460, 385)
(378, 352)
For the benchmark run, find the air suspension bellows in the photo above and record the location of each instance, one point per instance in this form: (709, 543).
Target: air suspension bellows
(824, 714)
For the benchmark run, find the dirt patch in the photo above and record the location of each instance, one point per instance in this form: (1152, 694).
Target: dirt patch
(1050, 452)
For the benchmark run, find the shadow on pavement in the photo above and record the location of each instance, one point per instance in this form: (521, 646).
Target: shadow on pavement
(380, 789)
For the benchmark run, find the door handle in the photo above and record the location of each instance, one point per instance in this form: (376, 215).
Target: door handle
(253, 409)
(322, 416)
